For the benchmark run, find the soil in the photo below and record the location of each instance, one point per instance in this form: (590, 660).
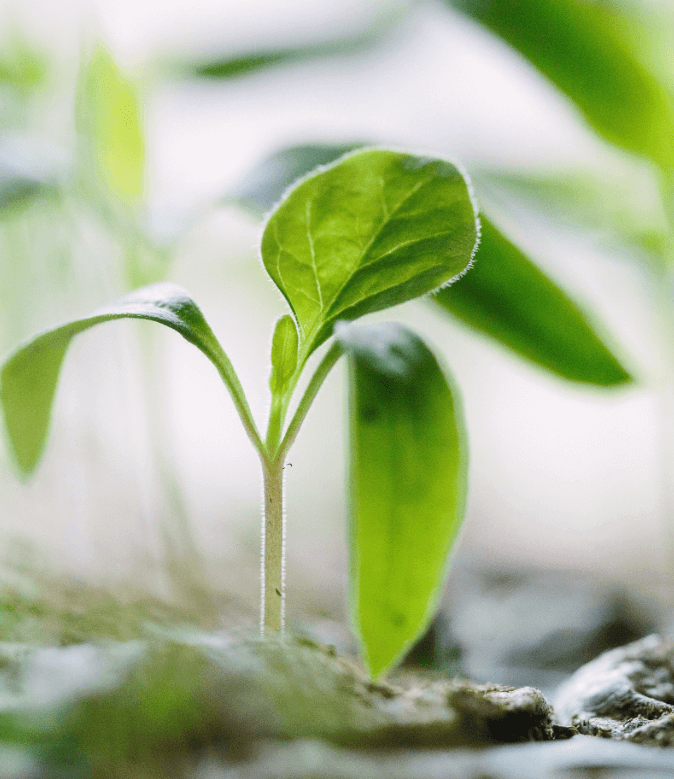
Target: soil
(91, 686)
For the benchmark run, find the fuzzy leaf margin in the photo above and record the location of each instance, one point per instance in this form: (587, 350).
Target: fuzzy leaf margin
(374, 229)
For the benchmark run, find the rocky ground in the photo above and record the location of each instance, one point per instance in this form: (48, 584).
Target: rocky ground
(104, 689)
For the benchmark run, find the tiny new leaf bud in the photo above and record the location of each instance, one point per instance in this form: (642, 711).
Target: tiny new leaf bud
(284, 348)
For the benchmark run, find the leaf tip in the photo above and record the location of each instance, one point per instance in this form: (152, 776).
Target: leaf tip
(26, 449)
(619, 377)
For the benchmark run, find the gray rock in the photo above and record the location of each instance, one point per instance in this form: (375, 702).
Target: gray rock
(625, 694)
(537, 627)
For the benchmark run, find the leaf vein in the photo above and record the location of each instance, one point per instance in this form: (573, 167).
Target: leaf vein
(403, 245)
(301, 291)
(357, 265)
(307, 212)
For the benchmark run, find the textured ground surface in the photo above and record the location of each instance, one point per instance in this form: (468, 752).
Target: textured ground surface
(625, 694)
(92, 686)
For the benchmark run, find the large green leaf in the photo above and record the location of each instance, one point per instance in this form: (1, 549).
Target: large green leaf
(372, 230)
(505, 295)
(581, 47)
(29, 377)
(509, 299)
(110, 120)
(408, 486)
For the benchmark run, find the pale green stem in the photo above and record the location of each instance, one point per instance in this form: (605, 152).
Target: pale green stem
(273, 549)
(273, 517)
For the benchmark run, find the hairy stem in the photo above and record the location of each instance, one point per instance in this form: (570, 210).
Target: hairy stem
(273, 519)
(273, 549)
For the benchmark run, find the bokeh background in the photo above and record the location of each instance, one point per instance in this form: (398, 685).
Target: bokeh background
(148, 480)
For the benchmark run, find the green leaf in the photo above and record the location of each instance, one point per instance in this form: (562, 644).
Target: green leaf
(26, 175)
(110, 117)
(233, 67)
(408, 486)
(372, 230)
(29, 170)
(583, 49)
(29, 377)
(283, 354)
(509, 299)
(355, 40)
(265, 184)
(622, 212)
(22, 65)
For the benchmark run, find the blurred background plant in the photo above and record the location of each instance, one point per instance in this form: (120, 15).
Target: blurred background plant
(128, 148)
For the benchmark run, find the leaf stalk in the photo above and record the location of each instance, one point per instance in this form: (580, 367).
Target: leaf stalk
(324, 367)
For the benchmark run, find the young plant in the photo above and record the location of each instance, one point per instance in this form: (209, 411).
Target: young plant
(372, 230)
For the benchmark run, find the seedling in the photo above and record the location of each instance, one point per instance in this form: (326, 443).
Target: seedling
(372, 230)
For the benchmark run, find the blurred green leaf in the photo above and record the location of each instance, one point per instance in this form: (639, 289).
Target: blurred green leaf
(29, 377)
(408, 486)
(30, 167)
(360, 39)
(17, 191)
(265, 184)
(622, 212)
(580, 47)
(22, 66)
(110, 120)
(372, 230)
(248, 63)
(506, 297)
